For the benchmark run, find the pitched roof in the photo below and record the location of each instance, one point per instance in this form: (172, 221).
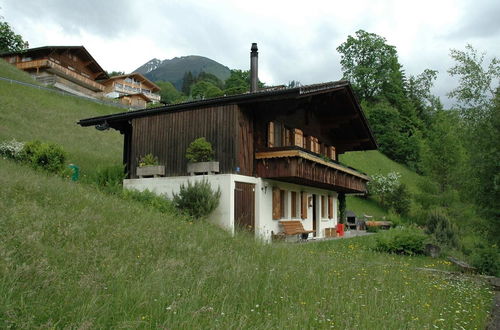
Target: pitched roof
(92, 63)
(296, 94)
(137, 76)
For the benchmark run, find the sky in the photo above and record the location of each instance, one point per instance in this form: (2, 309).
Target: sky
(297, 40)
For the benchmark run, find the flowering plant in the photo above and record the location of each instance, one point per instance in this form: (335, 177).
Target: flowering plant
(11, 149)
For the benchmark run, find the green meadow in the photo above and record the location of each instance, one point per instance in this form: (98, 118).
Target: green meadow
(72, 256)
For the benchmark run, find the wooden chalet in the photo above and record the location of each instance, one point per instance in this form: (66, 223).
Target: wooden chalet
(277, 150)
(69, 68)
(132, 89)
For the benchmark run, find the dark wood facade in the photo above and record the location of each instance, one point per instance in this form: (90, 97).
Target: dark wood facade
(168, 135)
(327, 116)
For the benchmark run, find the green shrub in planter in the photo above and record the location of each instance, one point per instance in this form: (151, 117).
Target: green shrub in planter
(198, 199)
(200, 150)
(408, 240)
(47, 156)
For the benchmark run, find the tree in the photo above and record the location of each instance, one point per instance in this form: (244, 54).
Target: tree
(397, 138)
(239, 82)
(476, 88)
(205, 89)
(9, 40)
(187, 81)
(419, 93)
(371, 65)
(115, 73)
(444, 156)
(169, 94)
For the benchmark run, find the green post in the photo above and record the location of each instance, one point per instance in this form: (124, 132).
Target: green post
(76, 172)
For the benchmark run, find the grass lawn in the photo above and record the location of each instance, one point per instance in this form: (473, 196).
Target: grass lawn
(74, 257)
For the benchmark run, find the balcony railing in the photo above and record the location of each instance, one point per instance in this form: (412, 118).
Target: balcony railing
(61, 70)
(296, 165)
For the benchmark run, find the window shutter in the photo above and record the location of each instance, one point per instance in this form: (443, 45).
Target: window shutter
(293, 203)
(303, 205)
(330, 207)
(270, 135)
(276, 204)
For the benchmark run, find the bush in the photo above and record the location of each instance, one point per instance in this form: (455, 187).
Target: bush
(372, 229)
(47, 156)
(487, 260)
(198, 199)
(399, 200)
(110, 178)
(147, 160)
(200, 150)
(407, 240)
(11, 149)
(441, 229)
(148, 198)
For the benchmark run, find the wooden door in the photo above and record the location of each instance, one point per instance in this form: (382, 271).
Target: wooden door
(244, 206)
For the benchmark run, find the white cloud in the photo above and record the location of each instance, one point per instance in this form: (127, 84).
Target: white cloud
(297, 39)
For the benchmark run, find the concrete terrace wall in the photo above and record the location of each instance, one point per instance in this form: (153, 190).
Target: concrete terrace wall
(223, 216)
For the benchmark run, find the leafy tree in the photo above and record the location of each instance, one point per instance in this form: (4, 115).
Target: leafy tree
(373, 68)
(9, 40)
(371, 65)
(239, 82)
(397, 138)
(169, 94)
(444, 156)
(205, 89)
(476, 88)
(208, 77)
(115, 73)
(419, 93)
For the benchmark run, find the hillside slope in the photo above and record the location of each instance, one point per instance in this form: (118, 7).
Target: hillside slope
(173, 70)
(28, 113)
(73, 257)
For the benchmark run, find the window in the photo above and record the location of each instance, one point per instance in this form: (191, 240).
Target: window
(282, 203)
(294, 204)
(303, 205)
(330, 207)
(279, 203)
(323, 207)
(278, 135)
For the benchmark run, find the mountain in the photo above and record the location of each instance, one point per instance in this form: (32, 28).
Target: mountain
(173, 70)
(149, 66)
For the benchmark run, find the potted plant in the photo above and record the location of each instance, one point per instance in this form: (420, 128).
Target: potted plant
(200, 156)
(149, 167)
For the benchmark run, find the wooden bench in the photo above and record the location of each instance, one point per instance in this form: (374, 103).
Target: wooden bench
(294, 227)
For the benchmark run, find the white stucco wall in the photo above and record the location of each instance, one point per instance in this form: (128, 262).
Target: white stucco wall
(224, 214)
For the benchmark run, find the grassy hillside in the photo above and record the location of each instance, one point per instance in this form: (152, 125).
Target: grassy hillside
(11, 72)
(72, 257)
(28, 113)
(374, 162)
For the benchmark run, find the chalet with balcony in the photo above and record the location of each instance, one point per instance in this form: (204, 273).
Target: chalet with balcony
(277, 152)
(69, 68)
(134, 90)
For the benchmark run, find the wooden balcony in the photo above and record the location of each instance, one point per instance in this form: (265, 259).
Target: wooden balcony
(296, 165)
(60, 70)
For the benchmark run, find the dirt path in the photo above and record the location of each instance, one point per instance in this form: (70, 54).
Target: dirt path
(495, 309)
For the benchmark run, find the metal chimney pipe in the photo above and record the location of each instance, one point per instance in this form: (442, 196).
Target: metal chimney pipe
(254, 69)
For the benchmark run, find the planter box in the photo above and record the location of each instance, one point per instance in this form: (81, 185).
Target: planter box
(150, 171)
(203, 168)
